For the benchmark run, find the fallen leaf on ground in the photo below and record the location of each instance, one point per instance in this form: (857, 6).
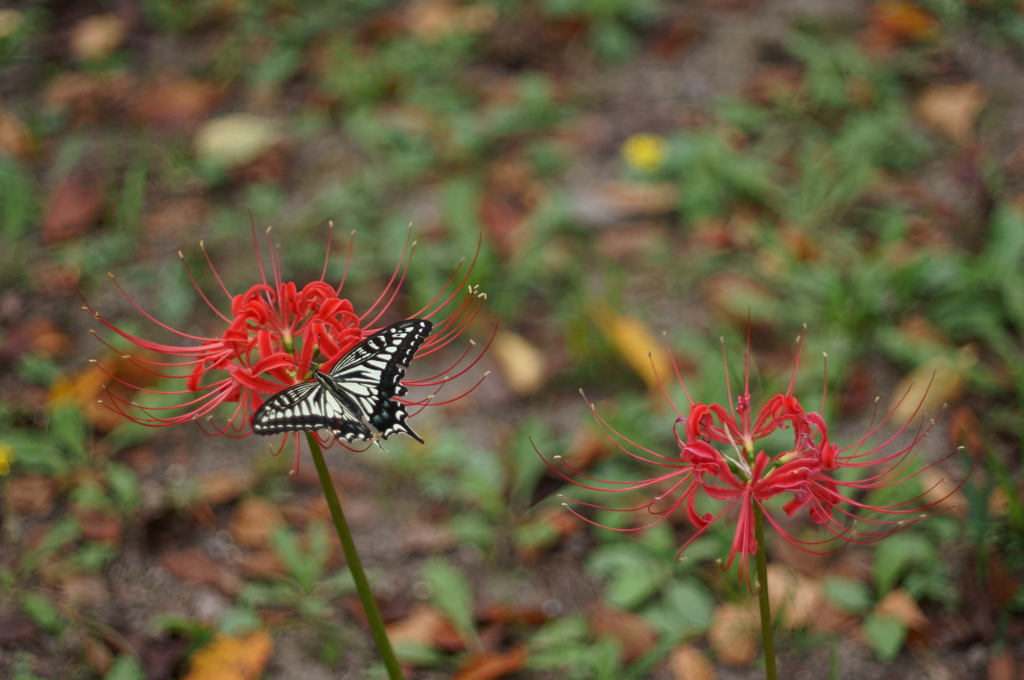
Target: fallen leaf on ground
(194, 565)
(15, 137)
(492, 665)
(734, 634)
(99, 525)
(632, 631)
(235, 140)
(264, 563)
(31, 495)
(521, 364)
(898, 604)
(940, 381)
(897, 22)
(610, 202)
(942, 493)
(98, 654)
(1002, 666)
(253, 521)
(738, 300)
(175, 103)
(95, 38)
(85, 589)
(952, 109)
(227, 657)
(422, 536)
(687, 662)
(637, 346)
(431, 20)
(796, 600)
(38, 335)
(16, 629)
(74, 205)
(223, 486)
(424, 626)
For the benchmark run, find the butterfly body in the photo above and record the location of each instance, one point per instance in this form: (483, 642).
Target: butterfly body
(355, 399)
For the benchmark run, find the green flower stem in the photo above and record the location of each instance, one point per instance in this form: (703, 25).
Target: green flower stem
(762, 594)
(373, 617)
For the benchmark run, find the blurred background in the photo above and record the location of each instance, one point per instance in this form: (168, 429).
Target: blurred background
(627, 167)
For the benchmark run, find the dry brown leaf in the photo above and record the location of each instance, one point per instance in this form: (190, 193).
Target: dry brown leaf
(734, 634)
(939, 381)
(609, 202)
(687, 662)
(192, 564)
(1002, 666)
(522, 365)
(427, 627)
(15, 137)
(795, 599)
(74, 205)
(738, 299)
(98, 655)
(100, 525)
(264, 563)
(637, 346)
(896, 22)
(899, 605)
(943, 493)
(37, 335)
(634, 241)
(431, 20)
(424, 536)
(952, 109)
(175, 103)
(253, 521)
(95, 38)
(588, 447)
(632, 631)
(31, 495)
(223, 486)
(236, 140)
(85, 589)
(491, 665)
(227, 657)
(88, 388)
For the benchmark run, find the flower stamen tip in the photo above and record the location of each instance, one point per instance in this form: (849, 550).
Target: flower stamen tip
(558, 457)
(565, 505)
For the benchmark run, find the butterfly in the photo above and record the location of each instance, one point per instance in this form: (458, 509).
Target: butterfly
(354, 400)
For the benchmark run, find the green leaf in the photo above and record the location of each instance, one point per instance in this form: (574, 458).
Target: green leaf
(419, 656)
(239, 621)
(560, 632)
(847, 594)
(885, 635)
(123, 483)
(896, 555)
(68, 429)
(42, 612)
(633, 573)
(125, 668)
(450, 592)
(35, 454)
(686, 606)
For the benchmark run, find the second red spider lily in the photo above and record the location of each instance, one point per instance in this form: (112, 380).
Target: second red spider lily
(719, 458)
(273, 333)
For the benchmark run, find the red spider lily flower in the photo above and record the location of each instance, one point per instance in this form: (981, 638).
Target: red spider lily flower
(719, 458)
(271, 336)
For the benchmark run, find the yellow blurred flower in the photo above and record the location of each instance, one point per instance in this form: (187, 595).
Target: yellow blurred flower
(6, 458)
(644, 152)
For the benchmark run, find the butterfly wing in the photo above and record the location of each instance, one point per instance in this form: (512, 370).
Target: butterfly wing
(370, 375)
(308, 406)
(356, 397)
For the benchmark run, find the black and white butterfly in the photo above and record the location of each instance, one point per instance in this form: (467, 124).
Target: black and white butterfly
(355, 399)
